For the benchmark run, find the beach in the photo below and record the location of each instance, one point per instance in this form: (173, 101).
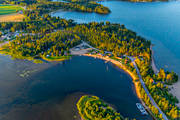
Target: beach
(155, 69)
(174, 89)
(120, 65)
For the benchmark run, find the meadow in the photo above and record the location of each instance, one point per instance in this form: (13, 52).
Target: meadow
(9, 9)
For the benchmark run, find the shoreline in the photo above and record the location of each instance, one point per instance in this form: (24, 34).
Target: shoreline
(56, 59)
(174, 87)
(153, 65)
(33, 59)
(173, 90)
(121, 66)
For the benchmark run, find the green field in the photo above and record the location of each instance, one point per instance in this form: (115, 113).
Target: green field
(57, 58)
(8, 9)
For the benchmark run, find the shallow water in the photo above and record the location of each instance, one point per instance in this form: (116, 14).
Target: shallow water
(51, 92)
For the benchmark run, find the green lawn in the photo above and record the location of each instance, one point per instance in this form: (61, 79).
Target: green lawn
(57, 58)
(8, 9)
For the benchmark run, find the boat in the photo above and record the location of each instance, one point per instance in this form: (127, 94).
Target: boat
(141, 108)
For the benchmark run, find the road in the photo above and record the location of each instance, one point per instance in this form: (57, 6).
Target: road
(146, 90)
(140, 78)
(142, 83)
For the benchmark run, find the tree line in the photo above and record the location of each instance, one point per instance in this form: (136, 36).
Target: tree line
(158, 88)
(52, 36)
(46, 6)
(105, 36)
(93, 108)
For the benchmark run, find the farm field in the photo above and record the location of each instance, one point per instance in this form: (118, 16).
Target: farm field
(8, 9)
(15, 17)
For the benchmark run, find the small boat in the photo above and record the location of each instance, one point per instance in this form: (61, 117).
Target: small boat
(141, 108)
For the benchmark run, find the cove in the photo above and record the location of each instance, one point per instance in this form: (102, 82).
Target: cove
(156, 21)
(50, 90)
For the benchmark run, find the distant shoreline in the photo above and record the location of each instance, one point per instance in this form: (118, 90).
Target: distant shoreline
(154, 67)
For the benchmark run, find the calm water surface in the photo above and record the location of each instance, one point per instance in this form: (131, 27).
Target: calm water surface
(50, 91)
(157, 21)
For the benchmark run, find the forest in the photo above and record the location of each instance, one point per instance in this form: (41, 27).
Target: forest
(158, 88)
(55, 36)
(93, 108)
(105, 36)
(44, 35)
(47, 6)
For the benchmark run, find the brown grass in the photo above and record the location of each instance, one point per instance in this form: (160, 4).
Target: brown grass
(16, 17)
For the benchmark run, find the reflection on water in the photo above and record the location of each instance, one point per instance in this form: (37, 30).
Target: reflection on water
(51, 92)
(157, 21)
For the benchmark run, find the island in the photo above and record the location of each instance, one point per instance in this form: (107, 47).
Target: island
(41, 36)
(93, 108)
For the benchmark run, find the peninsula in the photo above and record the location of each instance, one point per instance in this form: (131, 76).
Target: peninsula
(93, 108)
(41, 36)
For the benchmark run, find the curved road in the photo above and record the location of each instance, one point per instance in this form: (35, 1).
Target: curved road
(146, 90)
(141, 80)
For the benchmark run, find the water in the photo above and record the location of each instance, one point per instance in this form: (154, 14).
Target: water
(50, 90)
(156, 21)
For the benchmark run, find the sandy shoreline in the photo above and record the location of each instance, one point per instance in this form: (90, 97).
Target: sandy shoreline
(155, 69)
(120, 65)
(173, 88)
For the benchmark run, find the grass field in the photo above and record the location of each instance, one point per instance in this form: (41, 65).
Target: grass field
(9, 9)
(16, 17)
(56, 58)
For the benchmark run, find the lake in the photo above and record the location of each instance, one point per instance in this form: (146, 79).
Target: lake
(156, 21)
(49, 91)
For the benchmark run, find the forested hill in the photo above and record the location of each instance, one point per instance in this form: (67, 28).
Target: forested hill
(46, 6)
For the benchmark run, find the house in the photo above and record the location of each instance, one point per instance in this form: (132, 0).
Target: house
(20, 12)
